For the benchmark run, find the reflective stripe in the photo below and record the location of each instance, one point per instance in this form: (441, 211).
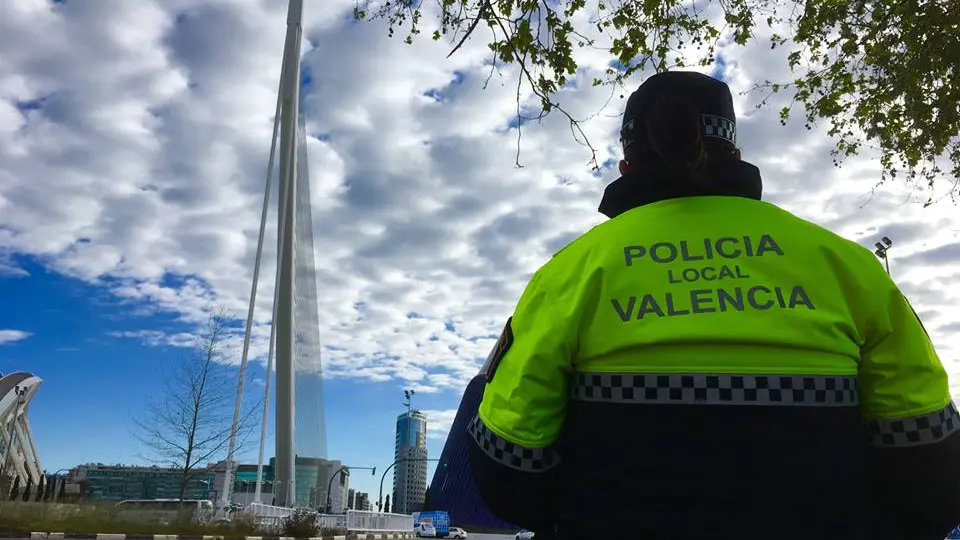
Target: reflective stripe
(717, 389)
(510, 454)
(918, 430)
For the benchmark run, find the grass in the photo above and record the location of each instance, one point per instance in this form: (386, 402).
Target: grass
(16, 517)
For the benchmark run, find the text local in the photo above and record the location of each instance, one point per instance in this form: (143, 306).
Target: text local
(726, 248)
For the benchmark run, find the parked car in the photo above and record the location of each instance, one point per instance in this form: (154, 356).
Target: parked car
(457, 532)
(524, 534)
(424, 530)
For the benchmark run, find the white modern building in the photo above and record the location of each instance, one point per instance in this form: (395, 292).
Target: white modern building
(20, 461)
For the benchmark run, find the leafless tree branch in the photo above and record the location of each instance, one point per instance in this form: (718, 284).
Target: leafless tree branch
(189, 426)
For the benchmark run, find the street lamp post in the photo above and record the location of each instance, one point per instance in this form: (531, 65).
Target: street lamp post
(881, 251)
(328, 508)
(392, 465)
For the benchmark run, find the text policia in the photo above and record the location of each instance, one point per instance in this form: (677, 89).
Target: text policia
(713, 299)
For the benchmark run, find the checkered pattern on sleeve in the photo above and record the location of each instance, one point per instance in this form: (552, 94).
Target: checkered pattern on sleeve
(510, 454)
(719, 127)
(917, 430)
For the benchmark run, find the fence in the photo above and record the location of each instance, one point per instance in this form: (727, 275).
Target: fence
(377, 522)
(352, 521)
(332, 522)
(265, 510)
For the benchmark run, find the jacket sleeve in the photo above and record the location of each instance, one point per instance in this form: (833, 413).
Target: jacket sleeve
(914, 423)
(515, 462)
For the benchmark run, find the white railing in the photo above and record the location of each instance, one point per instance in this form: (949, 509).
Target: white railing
(325, 521)
(353, 520)
(267, 511)
(358, 520)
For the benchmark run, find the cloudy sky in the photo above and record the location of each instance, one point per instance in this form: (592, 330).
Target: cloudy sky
(134, 138)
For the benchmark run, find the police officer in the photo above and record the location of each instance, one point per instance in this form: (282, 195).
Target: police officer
(704, 365)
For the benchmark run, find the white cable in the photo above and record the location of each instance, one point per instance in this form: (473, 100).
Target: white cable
(266, 391)
(238, 404)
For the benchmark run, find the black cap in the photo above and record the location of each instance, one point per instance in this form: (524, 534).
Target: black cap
(711, 96)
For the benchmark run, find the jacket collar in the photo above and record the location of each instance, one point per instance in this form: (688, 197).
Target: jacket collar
(649, 185)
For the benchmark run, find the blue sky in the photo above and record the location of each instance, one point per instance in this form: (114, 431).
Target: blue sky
(94, 384)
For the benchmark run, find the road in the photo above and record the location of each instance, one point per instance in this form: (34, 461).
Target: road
(479, 536)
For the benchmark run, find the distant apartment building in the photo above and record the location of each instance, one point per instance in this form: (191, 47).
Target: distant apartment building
(410, 475)
(358, 500)
(97, 481)
(100, 482)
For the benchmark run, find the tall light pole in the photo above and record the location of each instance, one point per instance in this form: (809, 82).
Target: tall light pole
(881, 251)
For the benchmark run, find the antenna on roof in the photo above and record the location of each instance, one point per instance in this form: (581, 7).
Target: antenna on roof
(882, 247)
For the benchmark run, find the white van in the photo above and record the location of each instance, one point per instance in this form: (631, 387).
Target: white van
(425, 530)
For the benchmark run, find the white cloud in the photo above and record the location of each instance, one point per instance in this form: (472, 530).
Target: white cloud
(11, 336)
(133, 148)
(8, 267)
(439, 422)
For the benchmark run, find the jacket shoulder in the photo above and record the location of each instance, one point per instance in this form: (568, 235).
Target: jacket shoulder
(851, 251)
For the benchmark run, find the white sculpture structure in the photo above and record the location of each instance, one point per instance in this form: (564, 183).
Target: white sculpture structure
(18, 451)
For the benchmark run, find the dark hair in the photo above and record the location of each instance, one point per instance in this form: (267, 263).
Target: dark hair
(675, 140)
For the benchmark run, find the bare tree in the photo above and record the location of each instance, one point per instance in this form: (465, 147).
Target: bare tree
(189, 426)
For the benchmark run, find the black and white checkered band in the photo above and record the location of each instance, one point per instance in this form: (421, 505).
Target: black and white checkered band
(713, 126)
(718, 389)
(719, 127)
(510, 454)
(917, 430)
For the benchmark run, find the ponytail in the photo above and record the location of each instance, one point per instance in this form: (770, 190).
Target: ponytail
(675, 133)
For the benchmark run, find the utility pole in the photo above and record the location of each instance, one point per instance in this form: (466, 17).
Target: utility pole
(881, 251)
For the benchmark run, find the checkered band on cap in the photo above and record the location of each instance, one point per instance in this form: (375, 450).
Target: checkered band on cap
(713, 126)
(917, 430)
(717, 389)
(719, 127)
(510, 454)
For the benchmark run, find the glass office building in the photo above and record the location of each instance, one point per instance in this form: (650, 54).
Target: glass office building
(309, 435)
(100, 482)
(313, 477)
(410, 475)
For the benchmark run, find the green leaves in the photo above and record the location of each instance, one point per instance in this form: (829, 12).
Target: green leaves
(885, 75)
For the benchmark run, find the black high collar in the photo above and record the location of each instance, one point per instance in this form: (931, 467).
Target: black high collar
(649, 185)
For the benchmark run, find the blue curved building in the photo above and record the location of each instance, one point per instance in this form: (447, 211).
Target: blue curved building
(452, 488)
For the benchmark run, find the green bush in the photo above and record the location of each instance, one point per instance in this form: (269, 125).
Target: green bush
(302, 524)
(17, 517)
